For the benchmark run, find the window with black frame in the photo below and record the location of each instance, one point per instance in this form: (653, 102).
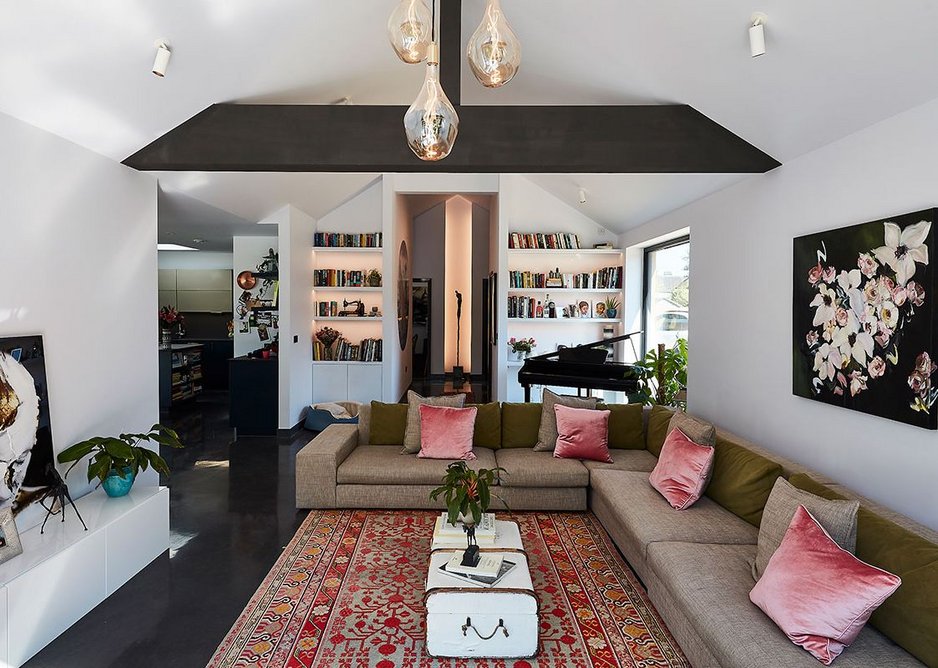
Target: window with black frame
(666, 292)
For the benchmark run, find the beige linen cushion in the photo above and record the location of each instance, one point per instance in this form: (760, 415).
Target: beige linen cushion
(838, 518)
(547, 433)
(414, 400)
(700, 432)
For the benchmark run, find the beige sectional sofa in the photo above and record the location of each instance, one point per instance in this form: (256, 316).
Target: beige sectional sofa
(696, 563)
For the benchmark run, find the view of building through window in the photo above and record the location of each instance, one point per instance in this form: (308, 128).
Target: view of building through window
(667, 292)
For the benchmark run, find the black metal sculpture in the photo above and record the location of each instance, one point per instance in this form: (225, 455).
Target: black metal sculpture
(459, 378)
(58, 492)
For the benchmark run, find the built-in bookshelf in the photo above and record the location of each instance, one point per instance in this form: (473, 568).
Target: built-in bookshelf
(544, 269)
(347, 282)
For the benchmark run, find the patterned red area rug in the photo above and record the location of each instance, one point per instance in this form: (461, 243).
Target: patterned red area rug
(348, 592)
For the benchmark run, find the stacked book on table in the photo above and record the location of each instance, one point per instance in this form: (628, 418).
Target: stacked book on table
(446, 534)
(491, 567)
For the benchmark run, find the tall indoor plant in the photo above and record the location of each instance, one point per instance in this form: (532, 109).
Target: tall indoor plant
(664, 375)
(116, 461)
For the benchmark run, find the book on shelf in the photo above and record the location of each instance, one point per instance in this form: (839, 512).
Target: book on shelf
(479, 580)
(488, 567)
(368, 350)
(340, 240)
(542, 241)
(340, 278)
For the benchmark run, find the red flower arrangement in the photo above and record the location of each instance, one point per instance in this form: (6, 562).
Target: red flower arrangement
(170, 317)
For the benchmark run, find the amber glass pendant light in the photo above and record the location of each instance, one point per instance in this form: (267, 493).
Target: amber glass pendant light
(409, 30)
(494, 51)
(431, 124)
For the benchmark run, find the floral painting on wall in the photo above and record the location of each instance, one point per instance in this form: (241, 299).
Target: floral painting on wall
(864, 318)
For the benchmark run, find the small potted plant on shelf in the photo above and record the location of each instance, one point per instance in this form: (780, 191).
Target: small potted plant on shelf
(169, 318)
(521, 348)
(612, 307)
(116, 461)
(467, 493)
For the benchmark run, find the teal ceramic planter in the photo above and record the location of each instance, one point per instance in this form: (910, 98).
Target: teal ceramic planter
(118, 483)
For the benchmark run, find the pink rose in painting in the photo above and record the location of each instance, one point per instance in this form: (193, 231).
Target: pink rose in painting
(925, 364)
(812, 338)
(883, 334)
(899, 295)
(840, 316)
(877, 367)
(918, 382)
(885, 287)
(814, 274)
(916, 293)
(857, 383)
(867, 264)
(871, 293)
(829, 274)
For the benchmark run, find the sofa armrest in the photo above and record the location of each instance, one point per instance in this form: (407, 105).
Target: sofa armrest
(318, 462)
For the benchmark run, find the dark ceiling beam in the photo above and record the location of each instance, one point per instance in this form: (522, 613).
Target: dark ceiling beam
(451, 49)
(327, 138)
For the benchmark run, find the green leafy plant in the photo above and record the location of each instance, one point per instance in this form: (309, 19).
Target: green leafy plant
(115, 454)
(664, 376)
(612, 304)
(467, 492)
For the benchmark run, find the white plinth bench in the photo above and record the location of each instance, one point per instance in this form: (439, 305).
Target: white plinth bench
(65, 572)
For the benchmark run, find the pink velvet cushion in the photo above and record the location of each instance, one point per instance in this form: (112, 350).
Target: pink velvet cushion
(682, 471)
(582, 433)
(446, 433)
(819, 594)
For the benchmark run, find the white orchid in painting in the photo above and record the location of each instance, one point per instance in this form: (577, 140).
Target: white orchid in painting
(860, 315)
(904, 248)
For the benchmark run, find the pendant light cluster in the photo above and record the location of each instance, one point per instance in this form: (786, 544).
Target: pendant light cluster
(494, 53)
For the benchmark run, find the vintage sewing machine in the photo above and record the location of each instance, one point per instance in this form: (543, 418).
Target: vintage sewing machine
(358, 310)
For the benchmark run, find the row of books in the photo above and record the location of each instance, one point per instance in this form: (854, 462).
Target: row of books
(338, 240)
(369, 350)
(521, 306)
(558, 240)
(340, 278)
(602, 279)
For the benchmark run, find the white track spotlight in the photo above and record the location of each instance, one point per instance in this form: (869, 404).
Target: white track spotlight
(757, 34)
(581, 196)
(162, 59)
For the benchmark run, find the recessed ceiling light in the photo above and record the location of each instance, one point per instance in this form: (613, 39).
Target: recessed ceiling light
(174, 247)
(198, 241)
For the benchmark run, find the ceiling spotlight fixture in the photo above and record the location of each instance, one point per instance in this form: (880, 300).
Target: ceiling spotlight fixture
(494, 51)
(757, 34)
(582, 196)
(161, 62)
(409, 30)
(431, 124)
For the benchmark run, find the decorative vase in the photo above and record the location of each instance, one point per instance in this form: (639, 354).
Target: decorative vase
(611, 312)
(118, 483)
(518, 355)
(166, 338)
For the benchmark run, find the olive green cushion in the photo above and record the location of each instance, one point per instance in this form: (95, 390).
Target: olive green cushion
(910, 616)
(626, 431)
(658, 420)
(488, 427)
(520, 424)
(388, 423)
(741, 480)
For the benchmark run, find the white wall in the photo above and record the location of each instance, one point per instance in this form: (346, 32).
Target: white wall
(458, 255)
(68, 213)
(398, 373)
(740, 313)
(248, 252)
(480, 271)
(429, 262)
(195, 260)
(296, 315)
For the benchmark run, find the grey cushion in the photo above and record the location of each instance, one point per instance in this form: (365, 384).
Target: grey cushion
(414, 400)
(526, 468)
(624, 460)
(839, 519)
(384, 465)
(547, 432)
(711, 584)
(644, 517)
(700, 432)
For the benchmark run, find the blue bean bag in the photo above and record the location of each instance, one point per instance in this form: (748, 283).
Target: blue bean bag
(317, 419)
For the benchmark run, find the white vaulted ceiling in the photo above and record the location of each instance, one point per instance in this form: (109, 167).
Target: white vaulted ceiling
(82, 70)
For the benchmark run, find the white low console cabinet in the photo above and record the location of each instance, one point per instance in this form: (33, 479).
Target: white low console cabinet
(65, 572)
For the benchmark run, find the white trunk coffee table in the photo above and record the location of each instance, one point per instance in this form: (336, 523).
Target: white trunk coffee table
(472, 621)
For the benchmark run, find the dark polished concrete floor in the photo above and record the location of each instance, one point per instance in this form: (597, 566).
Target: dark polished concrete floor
(231, 513)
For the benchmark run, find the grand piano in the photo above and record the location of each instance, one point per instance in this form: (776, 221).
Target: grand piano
(583, 367)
